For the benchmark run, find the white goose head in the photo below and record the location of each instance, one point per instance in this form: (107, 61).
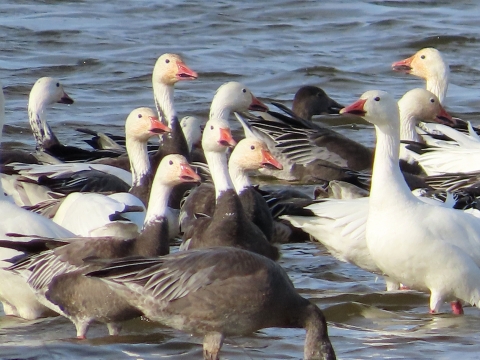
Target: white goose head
(234, 96)
(170, 68)
(253, 154)
(175, 169)
(428, 64)
(377, 107)
(217, 136)
(142, 123)
(47, 91)
(422, 105)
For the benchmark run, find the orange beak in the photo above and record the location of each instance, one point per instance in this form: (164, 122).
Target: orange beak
(185, 73)
(226, 138)
(157, 127)
(443, 117)
(187, 174)
(268, 160)
(257, 105)
(403, 65)
(356, 108)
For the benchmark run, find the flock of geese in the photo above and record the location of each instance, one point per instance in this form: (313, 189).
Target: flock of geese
(87, 233)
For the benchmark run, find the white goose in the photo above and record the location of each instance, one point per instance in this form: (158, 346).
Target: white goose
(340, 224)
(428, 64)
(426, 247)
(90, 214)
(15, 295)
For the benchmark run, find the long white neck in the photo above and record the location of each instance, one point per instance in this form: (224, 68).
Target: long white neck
(139, 161)
(408, 125)
(388, 184)
(158, 201)
(239, 177)
(217, 162)
(438, 85)
(163, 95)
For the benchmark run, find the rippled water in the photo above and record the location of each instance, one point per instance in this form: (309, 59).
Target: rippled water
(104, 52)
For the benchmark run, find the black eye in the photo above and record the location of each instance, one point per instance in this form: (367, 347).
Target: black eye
(377, 98)
(167, 61)
(432, 101)
(244, 90)
(58, 84)
(211, 127)
(252, 147)
(422, 57)
(139, 116)
(170, 162)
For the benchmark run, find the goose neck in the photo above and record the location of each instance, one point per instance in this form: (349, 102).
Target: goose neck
(158, 201)
(388, 183)
(217, 162)
(239, 177)
(44, 136)
(408, 128)
(139, 161)
(163, 95)
(438, 85)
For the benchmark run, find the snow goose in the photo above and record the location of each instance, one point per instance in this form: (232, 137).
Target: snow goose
(85, 213)
(229, 225)
(428, 64)
(439, 254)
(340, 224)
(45, 92)
(56, 276)
(216, 293)
(15, 295)
(249, 155)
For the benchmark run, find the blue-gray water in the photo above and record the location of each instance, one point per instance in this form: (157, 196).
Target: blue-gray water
(104, 51)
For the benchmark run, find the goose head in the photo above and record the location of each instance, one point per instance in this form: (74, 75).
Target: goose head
(234, 96)
(253, 154)
(311, 100)
(142, 123)
(47, 91)
(422, 105)
(217, 136)
(377, 107)
(175, 169)
(425, 63)
(170, 68)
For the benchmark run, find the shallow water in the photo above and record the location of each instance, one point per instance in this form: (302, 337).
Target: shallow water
(103, 52)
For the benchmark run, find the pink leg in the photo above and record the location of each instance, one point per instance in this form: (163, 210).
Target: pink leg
(457, 307)
(404, 287)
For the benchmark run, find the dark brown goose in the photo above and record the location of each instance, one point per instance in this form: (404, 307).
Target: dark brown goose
(218, 292)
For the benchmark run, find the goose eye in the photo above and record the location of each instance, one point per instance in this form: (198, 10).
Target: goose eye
(170, 162)
(244, 90)
(377, 98)
(432, 101)
(167, 61)
(58, 84)
(252, 147)
(139, 116)
(211, 127)
(422, 57)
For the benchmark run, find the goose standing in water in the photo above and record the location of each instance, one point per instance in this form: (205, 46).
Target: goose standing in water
(340, 224)
(57, 276)
(426, 247)
(216, 293)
